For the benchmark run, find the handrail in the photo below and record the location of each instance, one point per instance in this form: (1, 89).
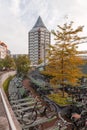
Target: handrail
(12, 125)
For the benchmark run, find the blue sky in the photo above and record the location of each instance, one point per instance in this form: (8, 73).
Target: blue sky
(17, 17)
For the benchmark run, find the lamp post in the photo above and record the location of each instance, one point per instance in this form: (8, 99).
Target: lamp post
(44, 50)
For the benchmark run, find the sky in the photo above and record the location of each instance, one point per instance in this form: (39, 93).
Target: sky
(17, 17)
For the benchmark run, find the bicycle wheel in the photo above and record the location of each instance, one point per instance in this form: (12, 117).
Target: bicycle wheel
(13, 96)
(37, 127)
(50, 111)
(84, 128)
(29, 117)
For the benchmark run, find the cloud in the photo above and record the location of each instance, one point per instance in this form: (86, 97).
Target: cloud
(15, 7)
(12, 31)
(17, 17)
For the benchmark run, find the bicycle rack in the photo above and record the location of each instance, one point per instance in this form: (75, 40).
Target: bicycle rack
(39, 121)
(23, 105)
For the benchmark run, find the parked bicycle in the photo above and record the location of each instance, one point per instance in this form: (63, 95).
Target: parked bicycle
(62, 124)
(19, 93)
(80, 120)
(39, 110)
(36, 127)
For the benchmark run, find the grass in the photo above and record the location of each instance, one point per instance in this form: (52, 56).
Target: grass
(60, 100)
(6, 84)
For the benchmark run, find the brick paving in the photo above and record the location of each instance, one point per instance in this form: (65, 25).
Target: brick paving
(3, 119)
(2, 111)
(4, 125)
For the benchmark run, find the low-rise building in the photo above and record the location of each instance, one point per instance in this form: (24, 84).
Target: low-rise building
(3, 50)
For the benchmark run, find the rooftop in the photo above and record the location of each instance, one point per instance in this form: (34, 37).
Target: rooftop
(39, 23)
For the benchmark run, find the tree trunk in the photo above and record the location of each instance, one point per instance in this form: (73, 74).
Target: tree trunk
(63, 90)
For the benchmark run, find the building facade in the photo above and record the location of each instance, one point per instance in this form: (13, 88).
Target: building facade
(38, 41)
(3, 50)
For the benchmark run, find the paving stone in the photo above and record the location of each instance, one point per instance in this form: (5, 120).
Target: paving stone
(4, 123)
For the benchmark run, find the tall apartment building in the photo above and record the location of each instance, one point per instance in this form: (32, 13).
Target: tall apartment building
(3, 50)
(39, 40)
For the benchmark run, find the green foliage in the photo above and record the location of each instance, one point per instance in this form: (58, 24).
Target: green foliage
(6, 83)
(1, 64)
(22, 64)
(40, 61)
(9, 63)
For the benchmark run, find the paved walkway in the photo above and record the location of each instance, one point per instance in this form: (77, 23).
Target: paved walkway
(2, 111)
(3, 119)
(4, 125)
(7, 114)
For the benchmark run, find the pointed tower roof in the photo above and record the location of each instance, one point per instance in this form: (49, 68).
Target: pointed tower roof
(39, 23)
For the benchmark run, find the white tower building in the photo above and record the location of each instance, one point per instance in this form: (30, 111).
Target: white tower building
(39, 40)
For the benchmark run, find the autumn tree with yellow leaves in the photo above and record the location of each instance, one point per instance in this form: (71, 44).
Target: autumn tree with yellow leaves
(63, 57)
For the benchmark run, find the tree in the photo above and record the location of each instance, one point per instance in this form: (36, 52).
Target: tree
(22, 64)
(9, 63)
(40, 61)
(63, 60)
(1, 64)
